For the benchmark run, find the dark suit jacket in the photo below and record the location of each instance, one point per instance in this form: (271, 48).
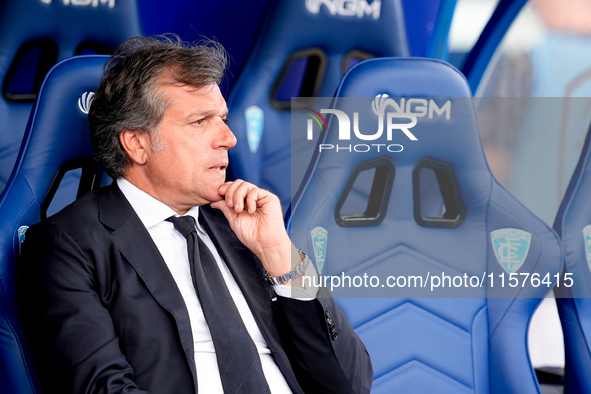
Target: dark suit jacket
(103, 313)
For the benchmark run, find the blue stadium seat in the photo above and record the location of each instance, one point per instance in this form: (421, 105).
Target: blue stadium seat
(56, 139)
(418, 211)
(35, 35)
(573, 224)
(302, 50)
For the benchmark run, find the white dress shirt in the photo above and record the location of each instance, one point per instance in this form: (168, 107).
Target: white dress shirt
(173, 247)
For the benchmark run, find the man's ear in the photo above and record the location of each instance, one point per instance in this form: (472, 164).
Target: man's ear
(136, 143)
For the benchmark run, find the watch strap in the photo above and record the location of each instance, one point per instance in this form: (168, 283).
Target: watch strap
(295, 273)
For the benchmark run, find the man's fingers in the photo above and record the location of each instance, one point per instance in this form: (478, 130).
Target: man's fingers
(224, 188)
(240, 195)
(239, 191)
(228, 191)
(222, 206)
(251, 200)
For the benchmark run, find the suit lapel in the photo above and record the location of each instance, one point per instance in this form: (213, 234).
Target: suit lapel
(138, 248)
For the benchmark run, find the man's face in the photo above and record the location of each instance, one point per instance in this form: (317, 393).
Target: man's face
(187, 163)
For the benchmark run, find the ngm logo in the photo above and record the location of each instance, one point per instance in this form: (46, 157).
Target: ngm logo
(87, 3)
(358, 8)
(402, 117)
(84, 102)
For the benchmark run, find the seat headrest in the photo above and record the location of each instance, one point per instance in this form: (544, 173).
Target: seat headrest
(58, 126)
(373, 26)
(339, 32)
(432, 92)
(67, 23)
(34, 36)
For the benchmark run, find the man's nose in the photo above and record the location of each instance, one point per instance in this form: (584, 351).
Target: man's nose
(226, 138)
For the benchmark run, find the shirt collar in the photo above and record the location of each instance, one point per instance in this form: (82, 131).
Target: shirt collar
(150, 210)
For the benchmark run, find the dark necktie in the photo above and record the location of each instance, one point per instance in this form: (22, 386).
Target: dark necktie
(238, 360)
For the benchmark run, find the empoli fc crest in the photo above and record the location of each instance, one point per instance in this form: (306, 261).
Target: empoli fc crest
(319, 240)
(511, 247)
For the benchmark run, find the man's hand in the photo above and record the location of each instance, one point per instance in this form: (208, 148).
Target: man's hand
(256, 218)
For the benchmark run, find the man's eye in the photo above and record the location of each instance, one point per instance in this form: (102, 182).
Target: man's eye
(225, 120)
(199, 122)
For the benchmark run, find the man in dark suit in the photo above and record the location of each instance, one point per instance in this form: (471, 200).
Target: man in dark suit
(111, 301)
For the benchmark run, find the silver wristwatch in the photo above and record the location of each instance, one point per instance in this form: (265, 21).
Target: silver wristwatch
(291, 275)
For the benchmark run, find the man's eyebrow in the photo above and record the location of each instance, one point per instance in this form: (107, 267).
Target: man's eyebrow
(207, 112)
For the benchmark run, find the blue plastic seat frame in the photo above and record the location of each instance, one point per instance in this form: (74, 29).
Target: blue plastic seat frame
(423, 344)
(56, 133)
(573, 224)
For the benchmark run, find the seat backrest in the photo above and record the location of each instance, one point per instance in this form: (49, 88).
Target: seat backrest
(56, 136)
(415, 235)
(35, 35)
(573, 224)
(302, 50)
